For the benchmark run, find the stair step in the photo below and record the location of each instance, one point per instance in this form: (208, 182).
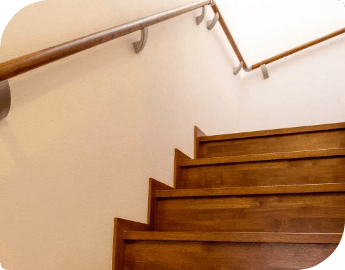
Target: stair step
(240, 237)
(269, 141)
(290, 168)
(264, 157)
(205, 255)
(260, 190)
(304, 212)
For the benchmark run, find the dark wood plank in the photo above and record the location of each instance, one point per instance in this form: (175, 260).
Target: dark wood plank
(274, 132)
(120, 227)
(197, 134)
(266, 173)
(240, 237)
(238, 191)
(179, 158)
(264, 157)
(172, 255)
(154, 187)
(297, 213)
(271, 144)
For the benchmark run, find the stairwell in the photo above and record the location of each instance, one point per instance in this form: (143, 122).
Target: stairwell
(270, 199)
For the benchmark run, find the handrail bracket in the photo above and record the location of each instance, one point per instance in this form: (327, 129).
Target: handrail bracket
(140, 45)
(200, 18)
(5, 98)
(213, 22)
(265, 72)
(238, 69)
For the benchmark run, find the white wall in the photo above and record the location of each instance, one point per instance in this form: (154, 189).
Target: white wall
(85, 133)
(304, 89)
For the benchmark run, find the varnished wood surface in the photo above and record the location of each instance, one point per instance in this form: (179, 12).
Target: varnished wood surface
(271, 144)
(197, 133)
(299, 48)
(229, 36)
(239, 191)
(31, 61)
(278, 172)
(240, 237)
(179, 158)
(120, 227)
(264, 157)
(154, 186)
(297, 213)
(274, 132)
(173, 255)
(279, 210)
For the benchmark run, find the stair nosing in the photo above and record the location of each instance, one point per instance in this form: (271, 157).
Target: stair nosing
(272, 132)
(264, 157)
(258, 190)
(239, 237)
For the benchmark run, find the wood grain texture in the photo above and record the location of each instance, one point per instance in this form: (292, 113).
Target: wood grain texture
(299, 48)
(31, 61)
(179, 158)
(265, 157)
(297, 213)
(239, 237)
(242, 191)
(120, 227)
(275, 132)
(197, 134)
(173, 255)
(229, 36)
(154, 187)
(329, 139)
(279, 172)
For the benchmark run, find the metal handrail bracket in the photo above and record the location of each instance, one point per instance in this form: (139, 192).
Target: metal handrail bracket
(140, 45)
(200, 18)
(5, 98)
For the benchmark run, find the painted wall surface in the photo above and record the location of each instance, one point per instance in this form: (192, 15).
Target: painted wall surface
(85, 133)
(306, 88)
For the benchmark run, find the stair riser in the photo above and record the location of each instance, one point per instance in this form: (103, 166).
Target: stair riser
(157, 255)
(303, 213)
(265, 173)
(272, 144)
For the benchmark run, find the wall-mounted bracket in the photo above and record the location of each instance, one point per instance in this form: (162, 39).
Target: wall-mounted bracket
(140, 45)
(238, 69)
(5, 99)
(212, 23)
(248, 69)
(265, 71)
(200, 18)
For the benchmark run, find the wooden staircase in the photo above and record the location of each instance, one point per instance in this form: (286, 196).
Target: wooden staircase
(259, 200)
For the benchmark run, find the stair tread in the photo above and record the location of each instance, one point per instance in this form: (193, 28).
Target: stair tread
(264, 157)
(273, 132)
(258, 190)
(257, 237)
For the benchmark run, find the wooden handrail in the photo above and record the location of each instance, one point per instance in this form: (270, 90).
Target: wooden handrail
(299, 48)
(31, 61)
(229, 36)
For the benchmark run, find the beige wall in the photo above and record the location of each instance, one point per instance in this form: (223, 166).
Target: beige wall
(85, 133)
(304, 89)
